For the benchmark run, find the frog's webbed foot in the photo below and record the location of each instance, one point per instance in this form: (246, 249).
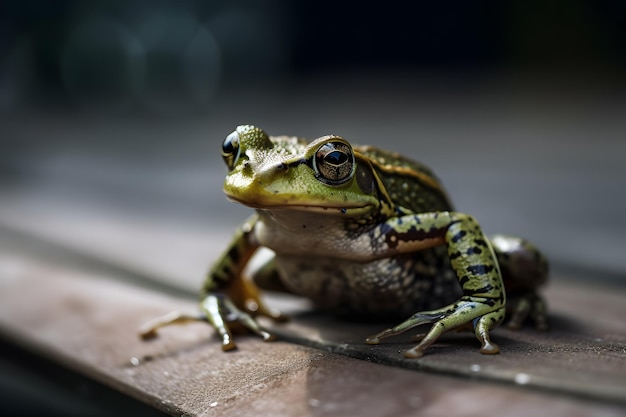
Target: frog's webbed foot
(527, 307)
(468, 310)
(223, 315)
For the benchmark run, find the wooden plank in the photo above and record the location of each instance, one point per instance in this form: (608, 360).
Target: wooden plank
(88, 322)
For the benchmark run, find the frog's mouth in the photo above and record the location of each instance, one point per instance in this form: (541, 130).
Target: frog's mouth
(310, 207)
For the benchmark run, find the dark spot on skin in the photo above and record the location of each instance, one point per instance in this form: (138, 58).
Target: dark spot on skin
(474, 250)
(454, 255)
(458, 236)
(233, 254)
(482, 290)
(479, 269)
(480, 242)
(463, 280)
(393, 237)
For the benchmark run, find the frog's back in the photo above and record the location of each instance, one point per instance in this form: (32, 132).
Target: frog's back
(409, 183)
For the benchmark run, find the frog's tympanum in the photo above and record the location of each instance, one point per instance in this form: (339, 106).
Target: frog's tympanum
(366, 232)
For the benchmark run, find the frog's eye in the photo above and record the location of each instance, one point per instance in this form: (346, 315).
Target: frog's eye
(334, 163)
(231, 149)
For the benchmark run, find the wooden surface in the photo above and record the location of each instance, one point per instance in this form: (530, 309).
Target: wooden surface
(88, 322)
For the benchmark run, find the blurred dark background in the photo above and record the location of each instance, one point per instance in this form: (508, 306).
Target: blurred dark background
(173, 56)
(119, 107)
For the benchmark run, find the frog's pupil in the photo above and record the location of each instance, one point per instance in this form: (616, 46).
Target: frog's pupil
(230, 149)
(227, 147)
(231, 143)
(336, 158)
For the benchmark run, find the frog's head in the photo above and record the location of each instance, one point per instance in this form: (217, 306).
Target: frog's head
(325, 176)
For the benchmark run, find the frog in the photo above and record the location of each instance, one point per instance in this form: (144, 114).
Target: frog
(361, 232)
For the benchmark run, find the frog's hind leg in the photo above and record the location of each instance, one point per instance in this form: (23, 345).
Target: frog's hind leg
(149, 329)
(527, 306)
(524, 270)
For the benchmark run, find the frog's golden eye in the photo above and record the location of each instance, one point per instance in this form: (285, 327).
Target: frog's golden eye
(334, 163)
(231, 149)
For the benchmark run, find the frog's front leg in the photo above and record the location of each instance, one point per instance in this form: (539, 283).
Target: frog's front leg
(228, 299)
(473, 260)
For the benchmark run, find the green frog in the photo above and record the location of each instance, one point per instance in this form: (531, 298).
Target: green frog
(365, 232)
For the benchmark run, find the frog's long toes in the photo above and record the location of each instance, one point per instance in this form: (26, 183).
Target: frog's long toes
(148, 334)
(372, 340)
(489, 349)
(376, 338)
(279, 317)
(268, 337)
(228, 344)
(413, 353)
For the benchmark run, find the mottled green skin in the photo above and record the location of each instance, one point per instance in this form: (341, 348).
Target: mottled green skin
(364, 232)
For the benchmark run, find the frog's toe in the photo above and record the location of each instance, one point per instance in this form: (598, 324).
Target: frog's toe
(149, 330)
(483, 326)
(255, 306)
(148, 334)
(519, 314)
(489, 348)
(527, 307)
(413, 353)
(539, 314)
(228, 343)
(373, 340)
(277, 316)
(268, 337)
(248, 322)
